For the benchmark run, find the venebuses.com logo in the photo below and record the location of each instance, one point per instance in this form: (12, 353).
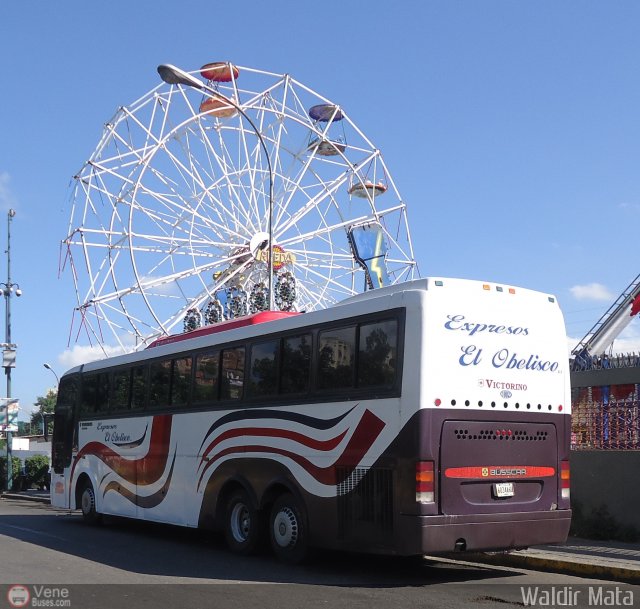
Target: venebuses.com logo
(20, 596)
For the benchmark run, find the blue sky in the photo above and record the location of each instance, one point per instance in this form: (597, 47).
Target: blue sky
(511, 129)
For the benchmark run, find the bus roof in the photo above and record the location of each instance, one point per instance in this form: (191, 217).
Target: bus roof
(231, 324)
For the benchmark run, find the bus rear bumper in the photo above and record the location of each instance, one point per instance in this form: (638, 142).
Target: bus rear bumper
(481, 532)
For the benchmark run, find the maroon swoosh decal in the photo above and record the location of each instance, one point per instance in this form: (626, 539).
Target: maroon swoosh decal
(368, 429)
(143, 471)
(135, 443)
(149, 501)
(329, 444)
(635, 306)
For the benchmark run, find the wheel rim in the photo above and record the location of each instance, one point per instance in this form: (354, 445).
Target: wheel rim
(88, 501)
(285, 528)
(240, 523)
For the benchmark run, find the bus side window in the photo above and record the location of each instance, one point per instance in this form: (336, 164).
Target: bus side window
(296, 364)
(102, 393)
(95, 394)
(138, 387)
(205, 388)
(180, 381)
(263, 369)
(377, 353)
(336, 351)
(89, 394)
(232, 374)
(121, 390)
(159, 383)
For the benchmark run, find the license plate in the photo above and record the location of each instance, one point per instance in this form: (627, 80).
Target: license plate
(503, 489)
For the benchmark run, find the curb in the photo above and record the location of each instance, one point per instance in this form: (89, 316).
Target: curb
(26, 497)
(553, 563)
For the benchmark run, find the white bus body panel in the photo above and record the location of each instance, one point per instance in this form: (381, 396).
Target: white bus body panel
(461, 343)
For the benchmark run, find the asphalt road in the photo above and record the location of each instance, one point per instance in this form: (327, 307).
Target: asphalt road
(131, 564)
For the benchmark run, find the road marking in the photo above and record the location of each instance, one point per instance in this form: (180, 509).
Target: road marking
(28, 530)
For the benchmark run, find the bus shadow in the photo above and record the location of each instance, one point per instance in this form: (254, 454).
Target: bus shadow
(175, 552)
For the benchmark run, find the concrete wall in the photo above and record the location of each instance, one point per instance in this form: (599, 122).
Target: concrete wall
(609, 478)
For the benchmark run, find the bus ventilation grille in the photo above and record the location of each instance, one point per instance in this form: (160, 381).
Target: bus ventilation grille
(365, 502)
(500, 435)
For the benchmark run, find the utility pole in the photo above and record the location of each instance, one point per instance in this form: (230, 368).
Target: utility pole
(9, 353)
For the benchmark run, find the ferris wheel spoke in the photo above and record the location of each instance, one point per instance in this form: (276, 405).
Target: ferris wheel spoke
(311, 205)
(149, 282)
(254, 161)
(168, 219)
(224, 164)
(322, 230)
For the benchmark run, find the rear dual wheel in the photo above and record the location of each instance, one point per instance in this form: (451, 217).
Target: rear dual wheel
(243, 529)
(288, 529)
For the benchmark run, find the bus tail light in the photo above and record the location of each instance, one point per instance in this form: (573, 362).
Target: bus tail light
(425, 485)
(565, 479)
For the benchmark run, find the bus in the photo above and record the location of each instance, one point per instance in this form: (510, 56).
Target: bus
(422, 418)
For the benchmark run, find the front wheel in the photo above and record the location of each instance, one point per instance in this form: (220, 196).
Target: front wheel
(88, 504)
(288, 529)
(242, 524)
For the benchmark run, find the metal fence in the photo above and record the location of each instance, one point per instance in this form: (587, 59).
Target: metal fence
(612, 425)
(584, 361)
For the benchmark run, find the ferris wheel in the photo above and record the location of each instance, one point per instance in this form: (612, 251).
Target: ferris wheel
(222, 192)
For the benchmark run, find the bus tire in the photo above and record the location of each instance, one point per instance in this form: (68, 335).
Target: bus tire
(288, 529)
(88, 504)
(242, 529)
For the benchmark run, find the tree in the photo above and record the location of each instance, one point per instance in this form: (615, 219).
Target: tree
(44, 405)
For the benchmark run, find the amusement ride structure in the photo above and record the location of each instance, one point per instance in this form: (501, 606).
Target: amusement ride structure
(222, 192)
(601, 336)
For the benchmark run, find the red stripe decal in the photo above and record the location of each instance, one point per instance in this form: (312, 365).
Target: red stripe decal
(366, 432)
(329, 444)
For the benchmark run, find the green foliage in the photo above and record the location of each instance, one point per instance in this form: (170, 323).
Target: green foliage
(44, 405)
(3, 470)
(37, 470)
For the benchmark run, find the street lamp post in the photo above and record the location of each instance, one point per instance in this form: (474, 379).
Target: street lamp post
(48, 367)
(8, 289)
(175, 76)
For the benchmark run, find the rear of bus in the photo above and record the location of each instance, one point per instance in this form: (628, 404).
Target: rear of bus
(492, 384)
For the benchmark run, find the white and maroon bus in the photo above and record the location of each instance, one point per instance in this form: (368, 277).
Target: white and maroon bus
(419, 418)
